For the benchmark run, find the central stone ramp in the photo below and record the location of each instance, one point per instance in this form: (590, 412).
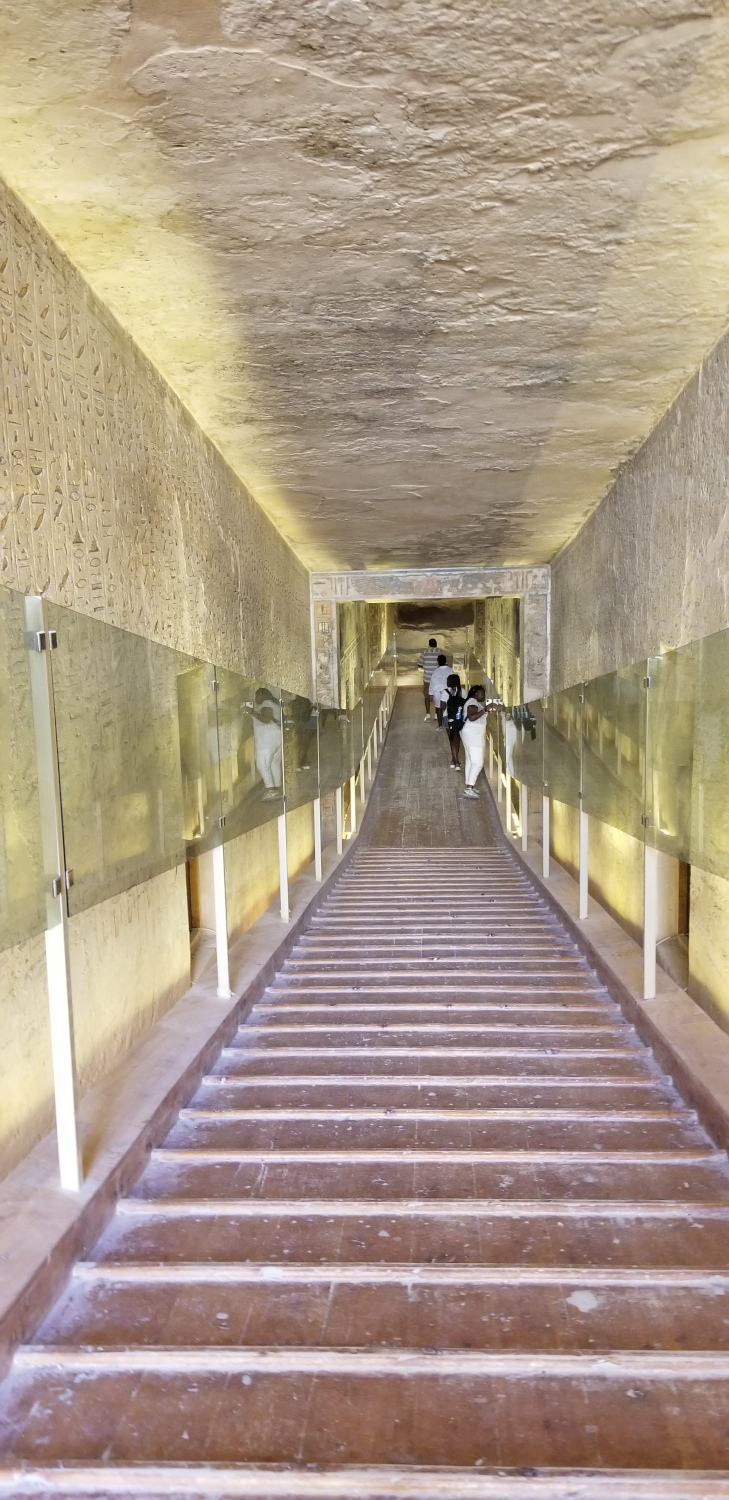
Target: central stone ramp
(436, 1225)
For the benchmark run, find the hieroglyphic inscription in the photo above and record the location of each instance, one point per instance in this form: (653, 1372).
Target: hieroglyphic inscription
(112, 500)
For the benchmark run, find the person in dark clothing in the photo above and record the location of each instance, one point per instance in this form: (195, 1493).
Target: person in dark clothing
(453, 718)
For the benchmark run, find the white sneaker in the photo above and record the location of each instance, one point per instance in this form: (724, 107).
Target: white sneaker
(426, 719)
(469, 791)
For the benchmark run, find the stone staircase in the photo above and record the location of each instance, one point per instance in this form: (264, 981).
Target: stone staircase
(436, 1226)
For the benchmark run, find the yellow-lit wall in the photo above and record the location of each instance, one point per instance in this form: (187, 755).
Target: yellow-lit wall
(615, 866)
(251, 866)
(116, 504)
(709, 944)
(497, 644)
(364, 630)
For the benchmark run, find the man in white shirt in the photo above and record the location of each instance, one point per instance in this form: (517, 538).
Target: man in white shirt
(438, 689)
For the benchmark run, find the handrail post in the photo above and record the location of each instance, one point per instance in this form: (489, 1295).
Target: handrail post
(317, 839)
(339, 805)
(650, 923)
(352, 804)
(283, 867)
(58, 968)
(545, 836)
(220, 901)
(524, 810)
(584, 863)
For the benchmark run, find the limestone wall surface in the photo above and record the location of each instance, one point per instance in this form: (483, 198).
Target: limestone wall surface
(650, 568)
(649, 571)
(114, 503)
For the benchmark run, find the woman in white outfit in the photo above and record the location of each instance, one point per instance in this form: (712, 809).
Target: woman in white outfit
(267, 742)
(473, 738)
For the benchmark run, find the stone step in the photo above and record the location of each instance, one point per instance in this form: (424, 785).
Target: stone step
(320, 1061)
(297, 1091)
(535, 1175)
(468, 1231)
(398, 1305)
(316, 1406)
(215, 1481)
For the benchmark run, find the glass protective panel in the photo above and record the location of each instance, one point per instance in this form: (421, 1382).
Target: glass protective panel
(119, 754)
(249, 734)
(301, 760)
(613, 751)
(710, 780)
(331, 748)
(199, 756)
(528, 753)
(371, 704)
(563, 745)
(671, 704)
(347, 734)
(22, 879)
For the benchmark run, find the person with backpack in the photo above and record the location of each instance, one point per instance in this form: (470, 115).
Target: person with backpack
(453, 718)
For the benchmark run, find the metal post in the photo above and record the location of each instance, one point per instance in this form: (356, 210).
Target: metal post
(545, 836)
(524, 810)
(374, 735)
(584, 870)
(650, 927)
(499, 787)
(508, 813)
(491, 757)
(339, 804)
(41, 642)
(362, 791)
(283, 868)
(220, 902)
(369, 757)
(352, 804)
(317, 839)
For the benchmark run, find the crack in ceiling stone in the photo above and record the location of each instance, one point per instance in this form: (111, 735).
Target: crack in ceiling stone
(428, 273)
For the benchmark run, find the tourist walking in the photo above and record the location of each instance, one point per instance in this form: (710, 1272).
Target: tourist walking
(428, 661)
(453, 718)
(473, 737)
(439, 689)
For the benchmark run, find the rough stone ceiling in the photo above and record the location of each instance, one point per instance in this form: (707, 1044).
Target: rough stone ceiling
(426, 272)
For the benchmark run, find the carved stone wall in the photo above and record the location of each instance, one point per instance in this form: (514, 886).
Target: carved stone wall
(530, 585)
(112, 500)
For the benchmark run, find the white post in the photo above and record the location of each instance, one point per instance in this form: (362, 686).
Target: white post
(352, 805)
(339, 804)
(499, 787)
(650, 901)
(283, 868)
(545, 837)
(374, 736)
(362, 791)
(524, 810)
(584, 856)
(58, 969)
(369, 758)
(507, 791)
(317, 839)
(491, 757)
(220, 902)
